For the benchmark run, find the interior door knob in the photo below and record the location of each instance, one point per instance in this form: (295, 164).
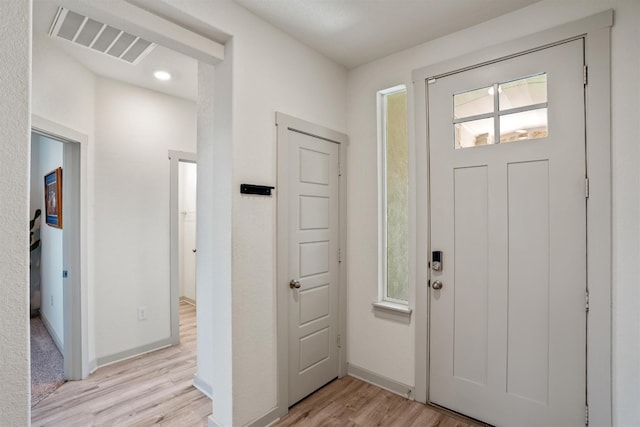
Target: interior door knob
(437, 285)
(294, 284)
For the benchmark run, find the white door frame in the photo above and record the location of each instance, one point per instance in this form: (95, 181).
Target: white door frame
(596, 31)
(284, 123)
(75, 242)
(175, 157)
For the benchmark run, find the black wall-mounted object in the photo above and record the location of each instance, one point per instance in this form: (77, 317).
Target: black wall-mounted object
(257, 190)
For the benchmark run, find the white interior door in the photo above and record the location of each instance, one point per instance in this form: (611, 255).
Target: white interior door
(508, 212)
(313, 263)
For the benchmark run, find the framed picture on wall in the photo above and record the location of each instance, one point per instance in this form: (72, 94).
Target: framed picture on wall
(53, 198)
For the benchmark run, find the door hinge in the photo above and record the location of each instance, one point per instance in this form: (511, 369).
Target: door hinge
(339, 343)
(339, 255)
(586, 301)
(585, 75)
(586, 415)
(586, 188)
(431, 81)
(339, 169)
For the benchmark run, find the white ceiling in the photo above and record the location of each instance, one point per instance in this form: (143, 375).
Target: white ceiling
(350, 32)
(184, 69)
(354, 32)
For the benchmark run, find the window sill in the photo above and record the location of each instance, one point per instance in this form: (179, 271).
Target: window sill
(391, 309)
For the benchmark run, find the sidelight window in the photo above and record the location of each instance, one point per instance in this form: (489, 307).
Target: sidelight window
(393, 196)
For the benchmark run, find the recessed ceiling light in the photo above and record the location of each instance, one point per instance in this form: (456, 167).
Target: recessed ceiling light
(162, 75)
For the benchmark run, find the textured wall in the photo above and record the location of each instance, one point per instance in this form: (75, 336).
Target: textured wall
(15, 40)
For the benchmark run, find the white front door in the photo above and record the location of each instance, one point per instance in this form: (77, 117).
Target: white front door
(313, 263)
(508, 213)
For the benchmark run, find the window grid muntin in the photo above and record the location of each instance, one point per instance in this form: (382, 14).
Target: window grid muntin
(497, 113)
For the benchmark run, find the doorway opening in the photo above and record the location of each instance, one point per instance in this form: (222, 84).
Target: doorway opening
(183, 253)
(129, 306)
(187, 235)
(54, 262)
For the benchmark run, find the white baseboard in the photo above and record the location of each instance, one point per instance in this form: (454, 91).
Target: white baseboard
(212, 422)
(203, 386)
(268, 419)
(134, 352)
(393, 386)
(188, 300)
(56, 339)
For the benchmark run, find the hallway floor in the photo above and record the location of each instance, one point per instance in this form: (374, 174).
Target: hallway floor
(155, 388)
(349, 402)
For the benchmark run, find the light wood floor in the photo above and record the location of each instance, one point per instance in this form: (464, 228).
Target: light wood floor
(349, 402)
(155, 388)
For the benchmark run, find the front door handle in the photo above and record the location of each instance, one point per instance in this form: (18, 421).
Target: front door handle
(294, 284)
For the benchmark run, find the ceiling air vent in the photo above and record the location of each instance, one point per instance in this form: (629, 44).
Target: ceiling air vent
(100, 37)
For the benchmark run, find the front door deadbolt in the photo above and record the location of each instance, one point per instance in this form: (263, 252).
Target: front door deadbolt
(436, 260)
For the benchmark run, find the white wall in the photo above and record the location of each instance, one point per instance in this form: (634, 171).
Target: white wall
(271, 72)
(387, 348)
(15, 38)
(51, 156)
(187, 241)
(64, 93)
(134, 130)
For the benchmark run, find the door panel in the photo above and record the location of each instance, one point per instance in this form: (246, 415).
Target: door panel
(471, 240)
(528, 285)
(313, 261)
(508, 327)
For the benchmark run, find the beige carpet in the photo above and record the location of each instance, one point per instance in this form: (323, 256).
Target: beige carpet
(46, 363)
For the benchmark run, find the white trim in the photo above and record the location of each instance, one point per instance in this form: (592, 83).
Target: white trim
(211, 422)
(270, 418)
(52, 332)
(284, 123)
(383, 382)
(392, 306)
(175, 157)
(76, 242)
(203, 386)
(382, 197)
(133, 352)
(135, 20)
(596, 32)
